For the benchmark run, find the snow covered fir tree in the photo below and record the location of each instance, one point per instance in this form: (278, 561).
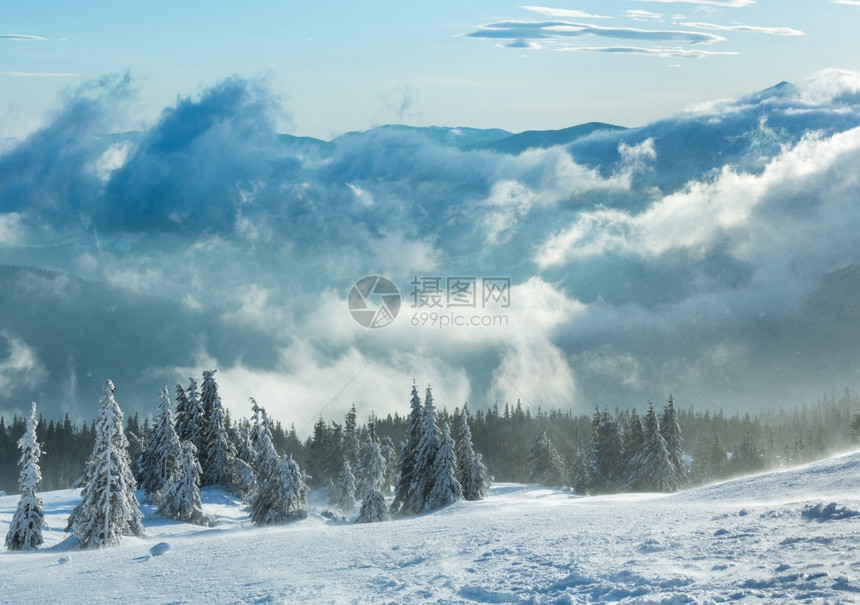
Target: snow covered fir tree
(373, 508)
(25, 531)
(218, 450)
(109, 508)
(181, 501)
(433, 467)
(160, 458)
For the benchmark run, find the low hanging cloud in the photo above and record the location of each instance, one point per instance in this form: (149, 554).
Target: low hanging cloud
(641, 262)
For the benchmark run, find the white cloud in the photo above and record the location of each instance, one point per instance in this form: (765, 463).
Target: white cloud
(22, 37)
(564, 13)
(11, 230)
(21, 366)
(703, 213)
(306, 385)
(774, 31)
(642, 15)
(726, 3)
(537, 372)
(682, 53)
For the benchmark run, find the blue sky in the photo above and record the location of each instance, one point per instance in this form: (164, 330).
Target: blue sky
(344, 66)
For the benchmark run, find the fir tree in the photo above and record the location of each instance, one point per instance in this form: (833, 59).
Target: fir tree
(316, 453)
(471, 472)
(423, 475)
(351, 449)
(389, 454)
(160, 459)
(652, 470)
(343, 491)
(373, 508)
(606, 463)
(670, 428)
(634, 443)
(281, 497)
(445, 488)
(545, 462)
(25, 531)
(370, 474)
(181, 500)
(408, 455)
(189, 417)
(217, 458)
(108, 509)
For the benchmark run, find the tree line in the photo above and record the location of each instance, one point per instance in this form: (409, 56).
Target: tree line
(716, 445)
(198, 447)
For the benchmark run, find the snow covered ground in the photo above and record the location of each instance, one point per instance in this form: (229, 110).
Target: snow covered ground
(758, 539)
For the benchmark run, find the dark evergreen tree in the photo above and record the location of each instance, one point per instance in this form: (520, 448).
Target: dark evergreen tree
(472, 475)
(654, 471)
(408, 456)
(317, 451)
(606, 462)
(351, 446)
(25, 531)
(217, 458)
(545, 462)
(423, 474)
(108, 509)
(670, 428)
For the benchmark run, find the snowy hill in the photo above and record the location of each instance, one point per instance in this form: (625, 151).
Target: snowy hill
(757, 539)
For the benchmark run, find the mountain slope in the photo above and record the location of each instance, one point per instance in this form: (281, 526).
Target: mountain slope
(523, 543)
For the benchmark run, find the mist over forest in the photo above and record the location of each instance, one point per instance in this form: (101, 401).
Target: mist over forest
(710, 255)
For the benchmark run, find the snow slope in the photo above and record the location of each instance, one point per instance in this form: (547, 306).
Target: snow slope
(757, 539)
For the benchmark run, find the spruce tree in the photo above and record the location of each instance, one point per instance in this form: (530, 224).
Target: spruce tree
(670, 428)
(423, 473)
(652, 469)
(195, 420)
(25, 531)
(351, 448)
(389, 454)
(281, 497)
(634, 443)
(606, 463)
(343, 491)
(373, 508)
(316, 455)
(217, 459)
(471, 472)
(547, 467)
(445, 488)
(160, 459)
(181, 500)
(108, 509)
(370, 473)
(408, 455)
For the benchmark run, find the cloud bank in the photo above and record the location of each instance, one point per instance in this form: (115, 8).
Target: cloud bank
(711, 255)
